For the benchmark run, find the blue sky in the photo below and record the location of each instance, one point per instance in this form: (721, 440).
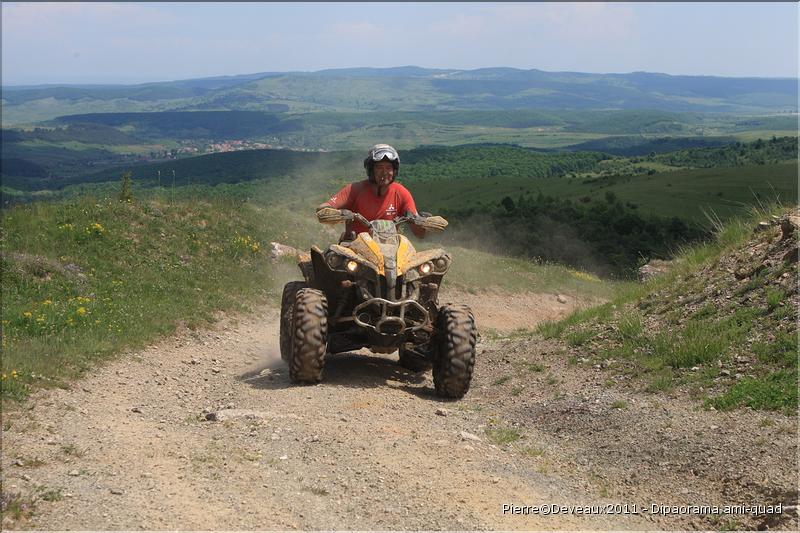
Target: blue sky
(141, 42)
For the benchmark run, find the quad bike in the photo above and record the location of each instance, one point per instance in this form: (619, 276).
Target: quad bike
(377, 292)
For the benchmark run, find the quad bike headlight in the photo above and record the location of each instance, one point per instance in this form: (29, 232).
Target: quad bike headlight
(352, 266)
(334, 260)
(425, 268)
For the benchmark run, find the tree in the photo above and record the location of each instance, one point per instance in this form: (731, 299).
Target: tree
(508, 203)
(125, 194)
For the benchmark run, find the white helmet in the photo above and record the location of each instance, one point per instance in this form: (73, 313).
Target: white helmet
(379, 152)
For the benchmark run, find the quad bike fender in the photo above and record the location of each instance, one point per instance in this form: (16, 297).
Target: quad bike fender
(426, 256)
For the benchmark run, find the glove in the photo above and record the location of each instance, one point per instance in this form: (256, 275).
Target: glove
(346, 215)
(329, 215)
(435, 223)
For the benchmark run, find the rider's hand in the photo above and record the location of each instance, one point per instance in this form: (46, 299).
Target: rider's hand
(347, 214)
(329, 215)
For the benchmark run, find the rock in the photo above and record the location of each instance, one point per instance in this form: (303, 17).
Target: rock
(789, 225)
(561, 299)
(283, 457)
(469, 436)
(441, 411)
(230, 414)
(684, 491)
(215, 370)
(26, 477)
(654, 268)
(137, 410)
(278, 250)
(73, 473)
(724, 372)
(762, 226)
(118, 492)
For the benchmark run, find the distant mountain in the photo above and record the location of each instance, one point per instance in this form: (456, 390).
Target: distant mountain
(410, 88)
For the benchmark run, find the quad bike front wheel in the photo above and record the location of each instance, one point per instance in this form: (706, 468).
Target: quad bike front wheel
(287, 309)
(309, 336)
(455, 354)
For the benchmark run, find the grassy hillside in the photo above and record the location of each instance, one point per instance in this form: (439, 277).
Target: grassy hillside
(721, 325)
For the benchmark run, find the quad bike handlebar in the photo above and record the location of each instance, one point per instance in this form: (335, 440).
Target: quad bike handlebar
(424, 220)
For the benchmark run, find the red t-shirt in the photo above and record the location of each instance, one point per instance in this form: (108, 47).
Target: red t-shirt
(360, 198)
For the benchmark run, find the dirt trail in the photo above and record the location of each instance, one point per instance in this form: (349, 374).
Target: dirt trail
(129, 446)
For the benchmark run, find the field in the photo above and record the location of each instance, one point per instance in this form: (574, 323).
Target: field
(687, 194)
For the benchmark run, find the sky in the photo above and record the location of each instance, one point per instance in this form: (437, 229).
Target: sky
(44, 43)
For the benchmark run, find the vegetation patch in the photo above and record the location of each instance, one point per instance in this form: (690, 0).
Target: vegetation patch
(502, 436)
(721, 325)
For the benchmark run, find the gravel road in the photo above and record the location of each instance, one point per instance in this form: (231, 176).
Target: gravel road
(204, 431)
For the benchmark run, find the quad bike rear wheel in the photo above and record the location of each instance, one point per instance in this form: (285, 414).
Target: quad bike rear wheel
(287, 309)
(455, 355)
(309, 336)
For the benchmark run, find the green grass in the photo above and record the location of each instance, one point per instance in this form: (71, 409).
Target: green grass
(579, 337)
(85, 279)
(775, 391)
(501, 436)
(619, 404)
(473, 269)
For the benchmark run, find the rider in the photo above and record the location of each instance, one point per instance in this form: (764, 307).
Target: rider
(377, 197)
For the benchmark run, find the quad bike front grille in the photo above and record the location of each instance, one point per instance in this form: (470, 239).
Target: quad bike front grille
(391, 318)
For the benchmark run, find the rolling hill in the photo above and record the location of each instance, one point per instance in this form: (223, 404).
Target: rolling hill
(410, 89)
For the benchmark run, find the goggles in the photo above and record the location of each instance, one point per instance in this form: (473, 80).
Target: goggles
(384, 153)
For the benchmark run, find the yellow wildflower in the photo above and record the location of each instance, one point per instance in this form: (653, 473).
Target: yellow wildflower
(47, 302)
(3, 377)
(27, 314)
(14, 374)
(81, 311)
(583, 275)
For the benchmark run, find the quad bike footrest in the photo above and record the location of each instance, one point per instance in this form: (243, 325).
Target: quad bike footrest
(391, 318)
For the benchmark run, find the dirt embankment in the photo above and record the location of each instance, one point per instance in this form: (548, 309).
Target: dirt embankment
(131, 446)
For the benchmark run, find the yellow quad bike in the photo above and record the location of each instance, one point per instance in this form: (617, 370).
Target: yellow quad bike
(378, 292)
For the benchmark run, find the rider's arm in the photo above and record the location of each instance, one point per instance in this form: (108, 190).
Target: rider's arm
(340, 200)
